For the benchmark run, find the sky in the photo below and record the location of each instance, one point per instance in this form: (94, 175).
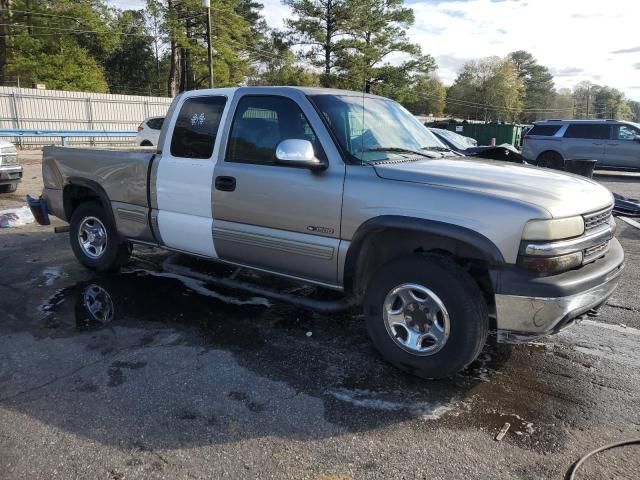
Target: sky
(577, 40)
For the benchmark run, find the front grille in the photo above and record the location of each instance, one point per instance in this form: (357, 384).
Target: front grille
(596, 219)
(596, 251)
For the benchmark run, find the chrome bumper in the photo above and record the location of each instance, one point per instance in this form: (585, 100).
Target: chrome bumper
(522, 318)
(10, 172)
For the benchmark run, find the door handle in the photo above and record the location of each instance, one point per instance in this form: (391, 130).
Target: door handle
(613, 144)
(225, 184)
(597, 143)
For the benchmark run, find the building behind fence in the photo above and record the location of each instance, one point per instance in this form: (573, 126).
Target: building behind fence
(29, 108)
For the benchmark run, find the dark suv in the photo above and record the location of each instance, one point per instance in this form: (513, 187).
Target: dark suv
(613, 143)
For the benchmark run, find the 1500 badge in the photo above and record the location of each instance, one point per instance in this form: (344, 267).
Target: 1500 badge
(313, 228)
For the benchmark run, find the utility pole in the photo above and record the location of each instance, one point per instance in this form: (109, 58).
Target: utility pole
(207, 5)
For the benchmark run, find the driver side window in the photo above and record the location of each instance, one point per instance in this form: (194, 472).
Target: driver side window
(261, 123)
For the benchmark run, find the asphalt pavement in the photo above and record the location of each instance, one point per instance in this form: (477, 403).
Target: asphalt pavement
(149, 373)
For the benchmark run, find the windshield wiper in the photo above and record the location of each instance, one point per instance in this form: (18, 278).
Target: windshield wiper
(398, 150)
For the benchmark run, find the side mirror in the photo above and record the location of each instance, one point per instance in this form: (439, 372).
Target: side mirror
(300, 154)
(637, 138)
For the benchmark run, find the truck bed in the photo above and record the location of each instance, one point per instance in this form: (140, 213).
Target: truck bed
(123, 175)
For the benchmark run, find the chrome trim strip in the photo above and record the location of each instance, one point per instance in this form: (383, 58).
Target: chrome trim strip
(563, 247)
(10, 168)
(263, 241)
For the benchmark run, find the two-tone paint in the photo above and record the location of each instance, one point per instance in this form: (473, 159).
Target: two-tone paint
(305, 224)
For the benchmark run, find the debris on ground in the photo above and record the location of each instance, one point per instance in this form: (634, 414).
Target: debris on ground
(503, 431)
(309, 334)
(15, 217)
(629, 207)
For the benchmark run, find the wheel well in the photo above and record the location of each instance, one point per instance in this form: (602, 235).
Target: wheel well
(74, 195)
(385, 245)
(549, 151)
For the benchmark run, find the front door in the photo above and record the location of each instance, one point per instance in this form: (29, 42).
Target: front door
(278, 218)
(623, 150)
(185, 174)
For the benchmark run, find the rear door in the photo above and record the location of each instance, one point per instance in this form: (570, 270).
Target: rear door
(623, 150)
(585, 141)
(274, 217)
(185, 173)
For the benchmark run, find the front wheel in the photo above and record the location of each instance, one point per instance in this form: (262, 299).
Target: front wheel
(94, 239)
(426, 315)
(551, 160)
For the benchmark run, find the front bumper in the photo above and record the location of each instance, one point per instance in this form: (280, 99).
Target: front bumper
(10, 174)
(528, 307)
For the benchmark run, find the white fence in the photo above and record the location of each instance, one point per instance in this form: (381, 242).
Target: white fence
(29, 108)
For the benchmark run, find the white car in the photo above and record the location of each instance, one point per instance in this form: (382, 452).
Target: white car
(149, 131)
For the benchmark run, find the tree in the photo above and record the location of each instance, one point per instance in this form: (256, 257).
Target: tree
(489, 88)
(426, 97)
(611, 103)
(634, 106)
(131, 66)
(63, 48)
(377, 29)
(538, 85)
(275, 64)
(237, 30)
(319, 25)
(562, 105)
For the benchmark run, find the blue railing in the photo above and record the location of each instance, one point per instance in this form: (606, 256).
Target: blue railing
(64, 134)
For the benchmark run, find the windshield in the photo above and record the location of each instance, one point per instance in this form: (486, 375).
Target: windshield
(375, 129)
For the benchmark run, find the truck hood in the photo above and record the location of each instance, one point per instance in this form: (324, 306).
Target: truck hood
(561, 194)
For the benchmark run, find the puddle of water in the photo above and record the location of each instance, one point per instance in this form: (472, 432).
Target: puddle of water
(51, 274)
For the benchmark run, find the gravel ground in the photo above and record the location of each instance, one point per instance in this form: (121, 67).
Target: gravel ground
(189, 381)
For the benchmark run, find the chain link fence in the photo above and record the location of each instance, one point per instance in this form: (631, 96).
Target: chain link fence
(30, 108)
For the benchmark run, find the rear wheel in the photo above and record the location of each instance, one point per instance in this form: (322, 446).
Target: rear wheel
(426, 315)
(94, 239)
(8, 188)
(551, 160)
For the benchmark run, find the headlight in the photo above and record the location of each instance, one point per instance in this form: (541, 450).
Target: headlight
(8, 155)
(554, 229)
(550, 265)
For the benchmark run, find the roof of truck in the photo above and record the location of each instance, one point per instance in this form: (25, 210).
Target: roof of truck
(305, 90)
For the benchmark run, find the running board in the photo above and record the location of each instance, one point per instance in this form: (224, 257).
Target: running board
(324, 306)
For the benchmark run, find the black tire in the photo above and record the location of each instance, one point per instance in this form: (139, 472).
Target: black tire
(8, 188)
(551, 160)
(115, 253)
(146, 143)
(460, 295)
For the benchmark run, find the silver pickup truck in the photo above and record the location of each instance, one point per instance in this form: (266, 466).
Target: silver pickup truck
(350, 192)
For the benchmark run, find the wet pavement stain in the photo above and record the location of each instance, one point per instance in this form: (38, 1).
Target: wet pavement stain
(336, 363)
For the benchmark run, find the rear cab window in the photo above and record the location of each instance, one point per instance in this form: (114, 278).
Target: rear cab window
(544, 130)
(592, 131)
(196, 127)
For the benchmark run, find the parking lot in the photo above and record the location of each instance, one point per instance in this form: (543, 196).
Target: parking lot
(182, 379)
